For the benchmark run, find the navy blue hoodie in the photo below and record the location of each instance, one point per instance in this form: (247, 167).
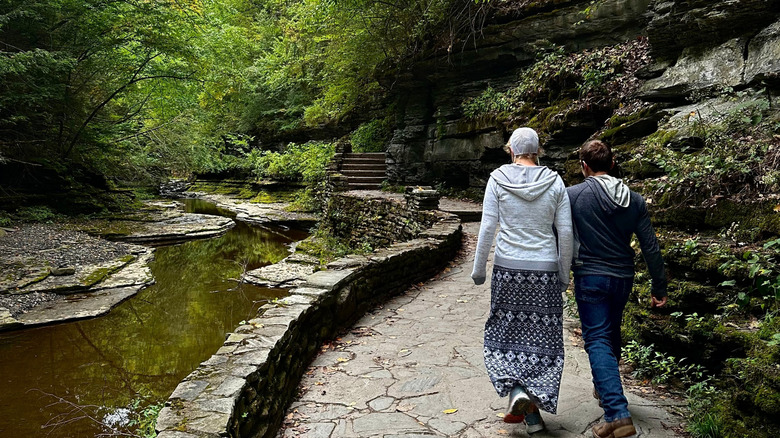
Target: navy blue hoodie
(604, 217)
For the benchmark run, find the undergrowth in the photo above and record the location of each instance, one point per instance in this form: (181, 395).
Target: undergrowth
(583, 80)
(730, 153)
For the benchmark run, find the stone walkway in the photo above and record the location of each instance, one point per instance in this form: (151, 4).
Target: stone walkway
(413, 368)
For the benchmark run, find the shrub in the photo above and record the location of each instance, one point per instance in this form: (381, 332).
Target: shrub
(297, 162)
(371, 136)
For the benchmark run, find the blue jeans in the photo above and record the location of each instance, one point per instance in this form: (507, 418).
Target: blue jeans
(601, 300)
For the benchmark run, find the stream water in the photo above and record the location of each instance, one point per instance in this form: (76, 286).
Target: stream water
(69, 380)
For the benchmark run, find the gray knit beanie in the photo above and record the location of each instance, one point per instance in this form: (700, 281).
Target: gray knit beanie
(524, 141)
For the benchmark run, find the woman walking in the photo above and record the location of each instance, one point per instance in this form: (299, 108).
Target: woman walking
(524, 332)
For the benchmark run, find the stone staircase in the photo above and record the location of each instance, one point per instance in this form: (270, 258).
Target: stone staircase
(364, 171)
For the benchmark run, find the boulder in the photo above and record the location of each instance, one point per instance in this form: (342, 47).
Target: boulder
(763, 60)
(718, 67)
(678, 25)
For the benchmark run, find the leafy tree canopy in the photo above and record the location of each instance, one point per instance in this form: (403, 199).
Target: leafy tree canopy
(137, 89)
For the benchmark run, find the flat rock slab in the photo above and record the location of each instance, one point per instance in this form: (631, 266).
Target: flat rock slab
(255, 213)
(77, 306)
(188, 226)
(282, 274)
(414, 368)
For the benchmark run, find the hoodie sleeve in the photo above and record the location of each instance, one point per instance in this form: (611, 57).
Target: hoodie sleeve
(563, 226)
(487, 231)
(651, 251)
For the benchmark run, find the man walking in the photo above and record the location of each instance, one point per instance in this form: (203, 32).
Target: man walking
(605, 214)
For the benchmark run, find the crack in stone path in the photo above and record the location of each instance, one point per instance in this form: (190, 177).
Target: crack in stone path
(413, 368)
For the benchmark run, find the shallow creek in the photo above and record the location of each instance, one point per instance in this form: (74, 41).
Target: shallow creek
(73, 379)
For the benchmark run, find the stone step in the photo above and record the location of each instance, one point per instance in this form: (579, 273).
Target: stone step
(349, 166)
(365, 186)
(363, 162)
(373, 155)
(365, 179)
(352, 172)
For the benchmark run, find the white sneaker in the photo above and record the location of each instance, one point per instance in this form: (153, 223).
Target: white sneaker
(519, 401)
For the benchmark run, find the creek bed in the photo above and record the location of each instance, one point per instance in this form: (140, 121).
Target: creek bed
(73, 379)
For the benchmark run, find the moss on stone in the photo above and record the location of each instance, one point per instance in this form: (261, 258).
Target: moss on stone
(100, 274)
(96, 276)
(552, 118)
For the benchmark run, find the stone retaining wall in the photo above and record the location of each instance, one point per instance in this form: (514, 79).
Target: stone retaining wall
(244, 388)
(375, 221)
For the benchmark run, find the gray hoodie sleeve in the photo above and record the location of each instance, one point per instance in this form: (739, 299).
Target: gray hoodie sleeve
(565, 230)
(651, 251)
(487, 232)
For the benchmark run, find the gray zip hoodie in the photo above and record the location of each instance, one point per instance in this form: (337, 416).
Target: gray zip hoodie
(531, 206)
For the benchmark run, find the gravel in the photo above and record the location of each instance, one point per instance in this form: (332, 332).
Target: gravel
(58, 247)
(36, 246)
(18, 304)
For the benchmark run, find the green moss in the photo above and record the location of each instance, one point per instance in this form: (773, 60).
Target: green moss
(100, 274)
(660, 138)
(621, 119)
(127, 258)
(245, 193)
(96, 276)
(757, 220)
(549, 119)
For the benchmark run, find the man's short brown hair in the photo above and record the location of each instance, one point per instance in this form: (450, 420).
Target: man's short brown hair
(597, 155)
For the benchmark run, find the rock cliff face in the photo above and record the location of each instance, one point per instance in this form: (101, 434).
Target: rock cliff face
(697, 47)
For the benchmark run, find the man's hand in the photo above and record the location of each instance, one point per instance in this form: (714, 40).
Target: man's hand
(656, 302)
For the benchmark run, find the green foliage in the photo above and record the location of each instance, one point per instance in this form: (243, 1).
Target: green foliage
(138, 91)
(557, 76)
(37, 213)
(324, 246)
(760, 274)
(736, 153)
(703, 422)
(490, 102)
(5, 219)
(660, 367)
(298, 162)
(371, 136)
(144, 421)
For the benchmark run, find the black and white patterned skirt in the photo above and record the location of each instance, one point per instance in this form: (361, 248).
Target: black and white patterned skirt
(524, 334)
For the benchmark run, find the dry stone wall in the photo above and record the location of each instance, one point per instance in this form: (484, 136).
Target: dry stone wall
(244, 388)
(375, 221)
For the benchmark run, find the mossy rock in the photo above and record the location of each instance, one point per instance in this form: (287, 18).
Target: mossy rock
(757, 220)
(760, 216)
(624, 129)
(638, 168)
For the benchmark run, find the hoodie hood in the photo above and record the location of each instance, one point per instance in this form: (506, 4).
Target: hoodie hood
(526, 182)
(612, 194)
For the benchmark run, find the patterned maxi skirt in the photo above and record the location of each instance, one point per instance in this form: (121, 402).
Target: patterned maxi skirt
(524, 334)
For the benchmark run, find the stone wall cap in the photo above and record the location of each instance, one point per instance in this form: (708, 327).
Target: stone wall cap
(328, 279)
(179, 434)
(189, 389)
(296, 299)
(310, 291)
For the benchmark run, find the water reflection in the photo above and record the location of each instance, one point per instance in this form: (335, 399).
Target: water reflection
(57, 375)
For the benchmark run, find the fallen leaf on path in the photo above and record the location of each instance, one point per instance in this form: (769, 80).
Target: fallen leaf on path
(502, 432)
(500, 415)
(342, 359)
(450, 411)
